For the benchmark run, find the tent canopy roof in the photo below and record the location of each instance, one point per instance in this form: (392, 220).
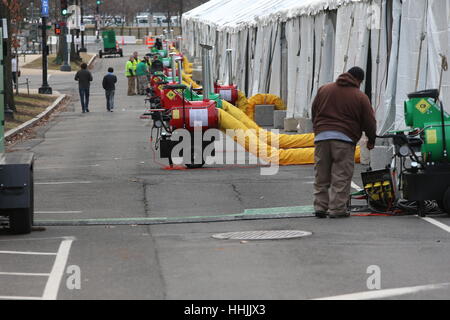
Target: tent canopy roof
(235, 15)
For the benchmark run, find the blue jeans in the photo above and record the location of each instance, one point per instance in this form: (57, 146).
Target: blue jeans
(109, 99)
(84, 97)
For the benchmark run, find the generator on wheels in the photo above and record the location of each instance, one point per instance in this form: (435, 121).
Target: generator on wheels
(110, 46)
(181, 117)
(418, 179)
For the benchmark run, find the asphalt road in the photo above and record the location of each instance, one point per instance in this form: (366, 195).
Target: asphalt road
(101, 166)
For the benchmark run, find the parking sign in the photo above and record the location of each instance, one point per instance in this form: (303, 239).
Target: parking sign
(44, 8)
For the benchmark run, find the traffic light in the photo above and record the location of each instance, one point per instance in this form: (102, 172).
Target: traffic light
(64, 10)
(57, 29)
(99, 2)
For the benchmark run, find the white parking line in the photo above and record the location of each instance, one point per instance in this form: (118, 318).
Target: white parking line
(19, 298)
(24, 274)
(57, 212)
(388, 293)
(39, 239)
(54, 280)
(68, 167)
(437, 223)
(62, 182)
(29, 253)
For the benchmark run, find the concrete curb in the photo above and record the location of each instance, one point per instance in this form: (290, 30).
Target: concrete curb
(39, 117)
(91, 61)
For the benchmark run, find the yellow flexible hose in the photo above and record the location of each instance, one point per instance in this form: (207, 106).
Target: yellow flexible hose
(256, 145)
(284, 141)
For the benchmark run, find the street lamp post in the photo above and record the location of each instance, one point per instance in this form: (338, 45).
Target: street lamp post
(97, 20)
(45, 88)
(82, 49)
(65, 49)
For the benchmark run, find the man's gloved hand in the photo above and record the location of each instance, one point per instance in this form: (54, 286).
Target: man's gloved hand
(370, 145)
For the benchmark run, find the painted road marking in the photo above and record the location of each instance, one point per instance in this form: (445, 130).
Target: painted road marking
(29, 253)
(24, 274)
(68, 167)
(380, 294)
(62, 182)
(54, 277)
(437, 223)
(54, 280)
(19, 298)
(39, 239)
(356, 187)
(57, 212)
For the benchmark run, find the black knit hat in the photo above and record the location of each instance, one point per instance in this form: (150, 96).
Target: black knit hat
(357, 72)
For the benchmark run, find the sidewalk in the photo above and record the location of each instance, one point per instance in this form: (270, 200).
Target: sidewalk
(32, 71)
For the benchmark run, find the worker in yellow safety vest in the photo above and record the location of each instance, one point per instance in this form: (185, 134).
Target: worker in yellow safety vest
(135, 63)
(130, 73)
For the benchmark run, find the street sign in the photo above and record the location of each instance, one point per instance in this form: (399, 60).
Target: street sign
(5, 28)
(44, 8)
(74, 19)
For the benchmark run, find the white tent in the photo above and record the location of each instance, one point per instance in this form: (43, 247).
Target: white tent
(292, 47)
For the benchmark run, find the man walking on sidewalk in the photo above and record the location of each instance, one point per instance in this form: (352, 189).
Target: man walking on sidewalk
(340, 113)
(131, 75)
(84, 78)
(109, 84)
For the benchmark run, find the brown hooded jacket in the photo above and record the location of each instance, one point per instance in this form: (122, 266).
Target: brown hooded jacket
(341, 106)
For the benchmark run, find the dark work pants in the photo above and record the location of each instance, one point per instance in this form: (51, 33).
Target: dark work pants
(109, 99)
(84, 98)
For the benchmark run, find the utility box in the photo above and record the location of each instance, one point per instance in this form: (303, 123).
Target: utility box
(17, 191)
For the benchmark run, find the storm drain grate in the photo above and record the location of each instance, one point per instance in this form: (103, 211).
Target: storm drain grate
(262, 235)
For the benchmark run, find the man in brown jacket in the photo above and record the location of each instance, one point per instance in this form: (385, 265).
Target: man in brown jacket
(340, 113)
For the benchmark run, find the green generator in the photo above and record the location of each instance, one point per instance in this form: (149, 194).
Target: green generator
(422, 153)
(110, 46)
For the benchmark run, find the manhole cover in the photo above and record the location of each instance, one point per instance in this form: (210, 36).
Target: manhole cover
(262, 235)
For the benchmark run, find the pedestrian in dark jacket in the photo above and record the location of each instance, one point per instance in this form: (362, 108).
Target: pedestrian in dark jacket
(84, 78)
(157, 65)
(158, 44)
(341, 112)
(109, 84)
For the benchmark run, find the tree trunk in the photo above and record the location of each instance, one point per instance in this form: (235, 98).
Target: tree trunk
(60, 55)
